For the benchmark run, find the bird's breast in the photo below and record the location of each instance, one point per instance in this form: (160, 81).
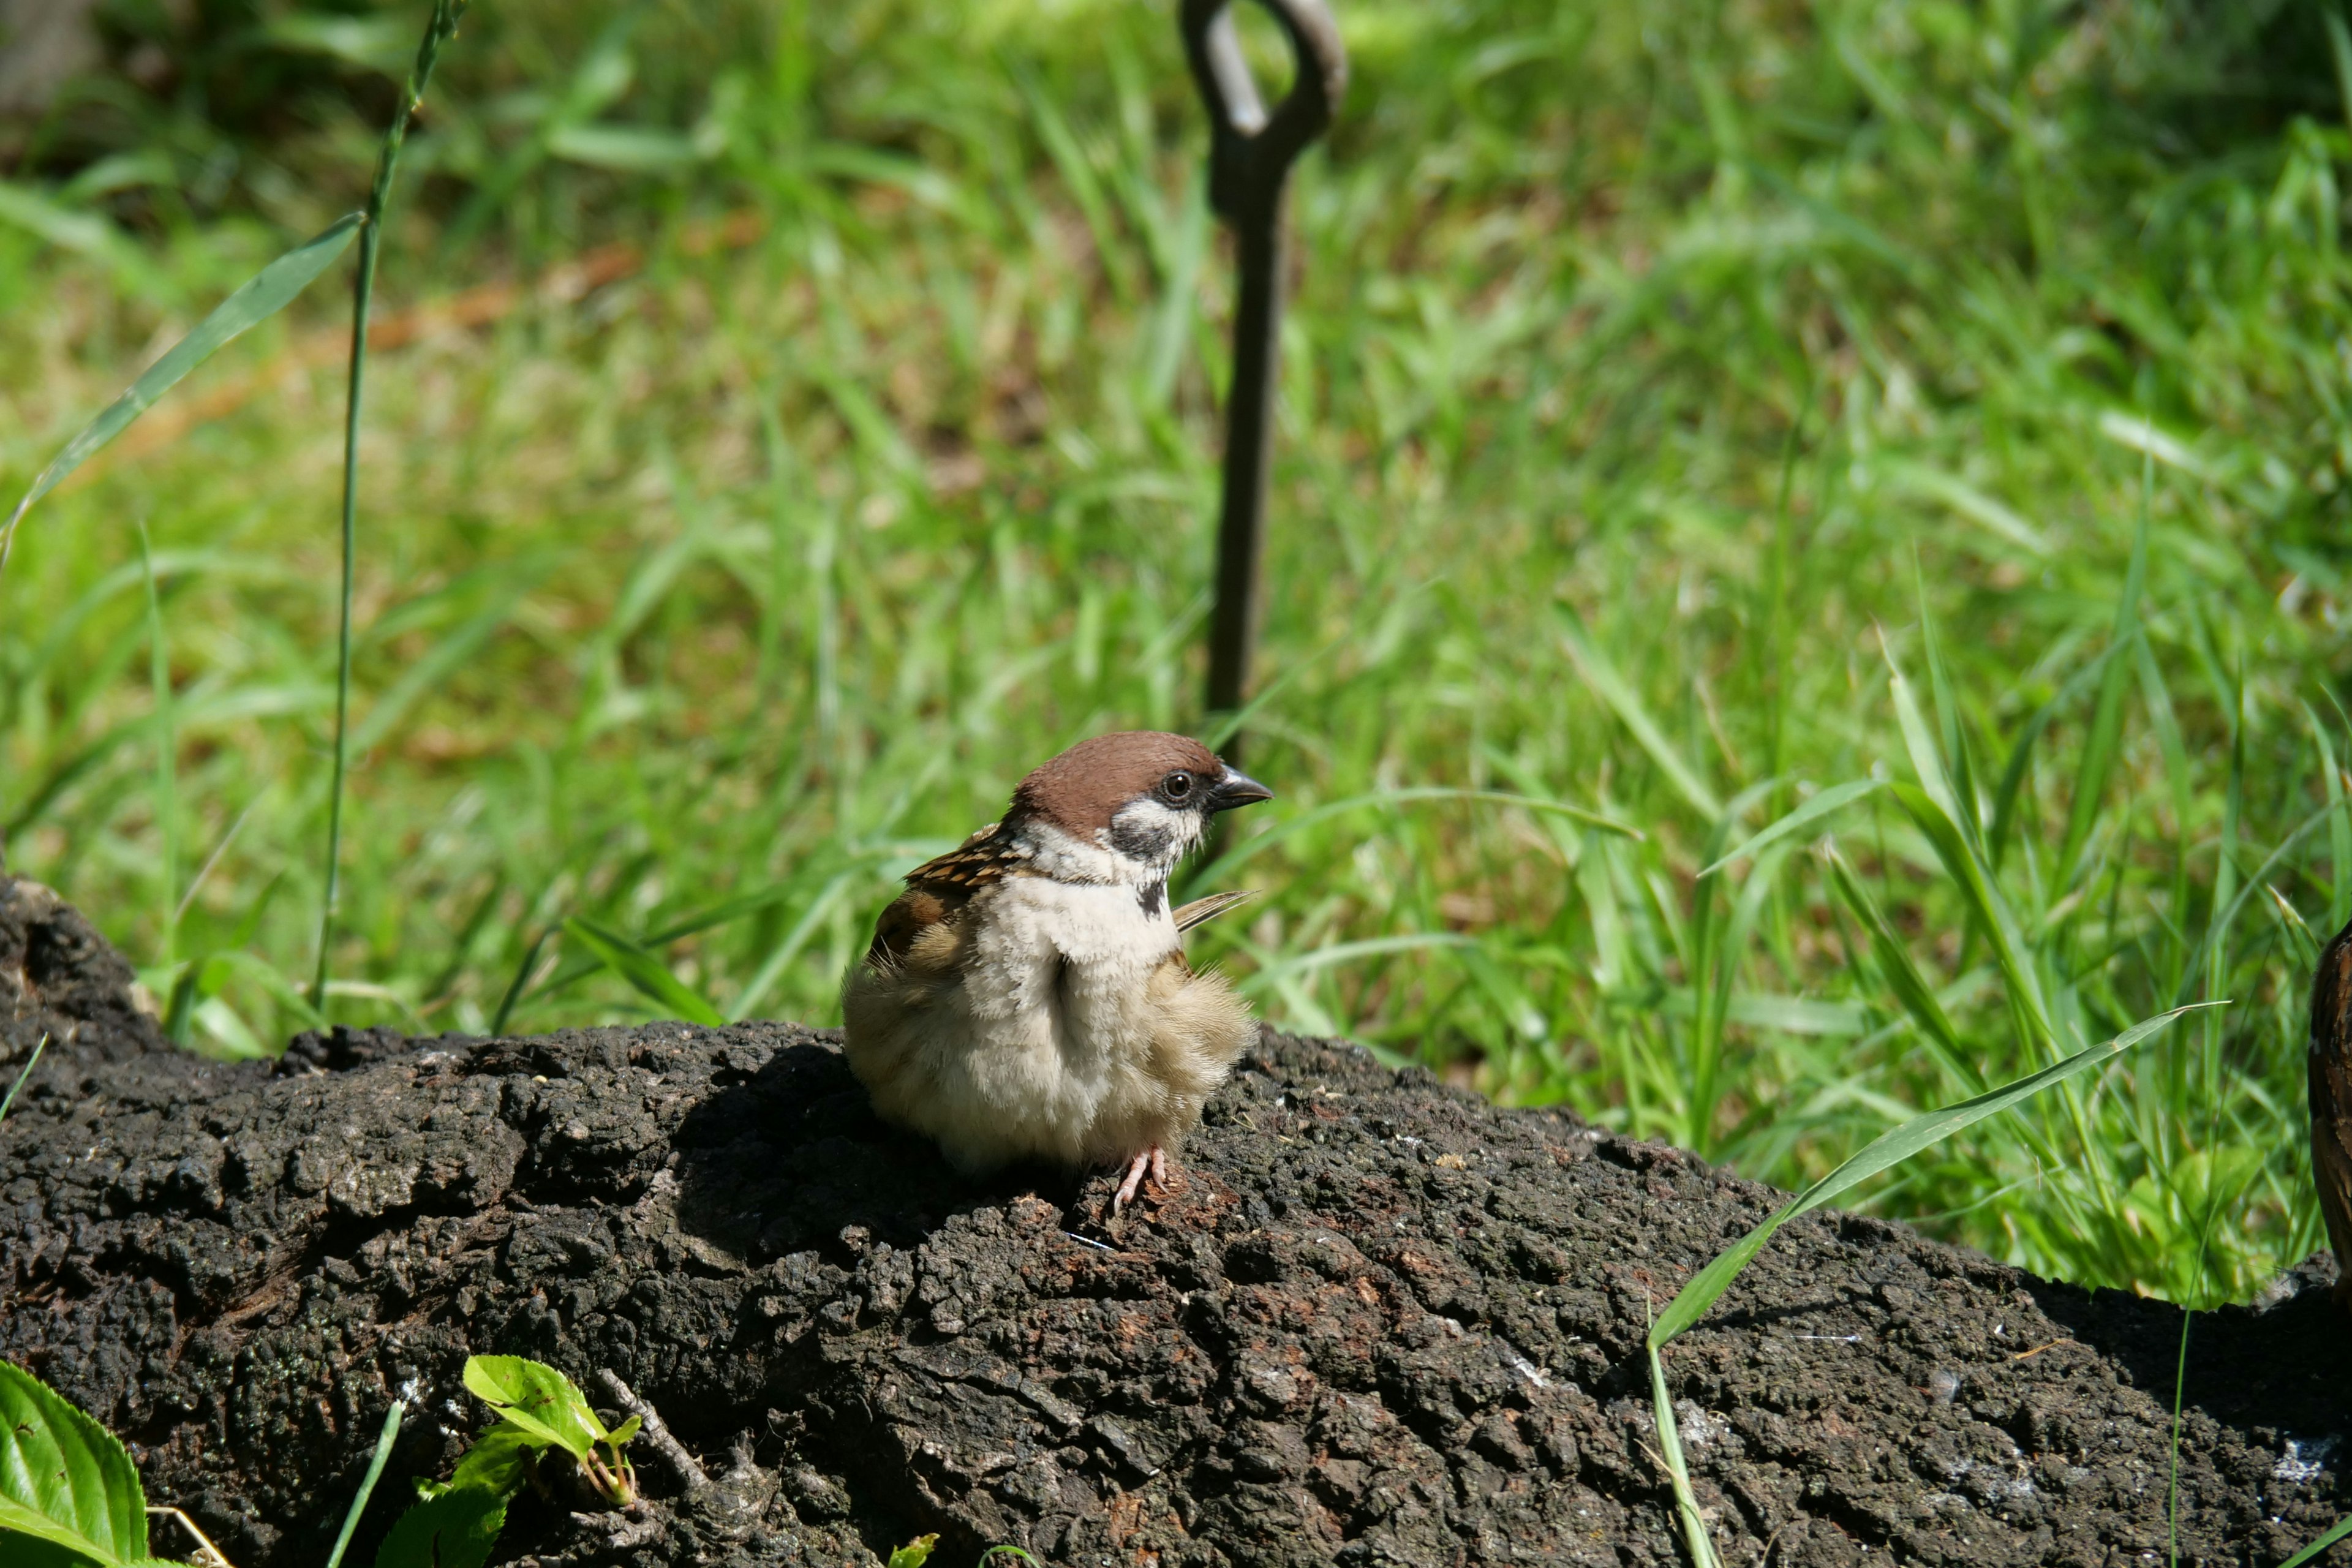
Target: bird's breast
(1077, 957)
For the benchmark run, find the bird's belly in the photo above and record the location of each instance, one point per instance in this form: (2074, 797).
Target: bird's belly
(1057, 1018)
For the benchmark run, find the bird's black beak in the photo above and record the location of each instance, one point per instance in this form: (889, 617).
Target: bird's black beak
(1237, 788)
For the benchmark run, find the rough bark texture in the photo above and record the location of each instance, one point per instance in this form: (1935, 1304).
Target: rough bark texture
(1382, 1323)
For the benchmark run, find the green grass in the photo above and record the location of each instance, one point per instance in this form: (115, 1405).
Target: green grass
(1659, 383)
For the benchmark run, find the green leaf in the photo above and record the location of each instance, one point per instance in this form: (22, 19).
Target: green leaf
(1990, 910)
(1670, 1445)
(2341, 1527)
(262, 296)
(1902, 976)
(1611, 688)
(624, 149)
(64, 1479)
(384, 1441)
(619, 1435)
(644, 971)
(24, 1076)
(496, 1463)
(456, 1529)
(1258, 843)
(2100, 746)
(85, 233)
(537, 1398)
(1919, 741)
(1890, 1148)
(916, 1553)
(1804, 816)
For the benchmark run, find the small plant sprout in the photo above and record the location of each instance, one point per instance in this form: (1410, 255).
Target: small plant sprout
(539, 1408)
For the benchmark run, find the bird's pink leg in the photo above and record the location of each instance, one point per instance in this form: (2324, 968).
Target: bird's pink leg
(1135, 1173)
(1151, 1163)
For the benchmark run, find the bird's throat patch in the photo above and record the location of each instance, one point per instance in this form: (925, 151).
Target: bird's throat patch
(1153, 896)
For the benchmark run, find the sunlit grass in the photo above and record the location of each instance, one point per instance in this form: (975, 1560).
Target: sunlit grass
(1650, 398)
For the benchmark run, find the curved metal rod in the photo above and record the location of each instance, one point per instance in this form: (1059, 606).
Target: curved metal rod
(1251, 152)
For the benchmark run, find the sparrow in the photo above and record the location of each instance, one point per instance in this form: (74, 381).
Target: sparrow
(1027, 996)
(2330, 1067)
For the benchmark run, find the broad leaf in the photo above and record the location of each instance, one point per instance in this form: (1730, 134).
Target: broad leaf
(64, 1479)
(265, 294)
(644, 972)
(538, 1399)
(456, 1529)
(494, 1464)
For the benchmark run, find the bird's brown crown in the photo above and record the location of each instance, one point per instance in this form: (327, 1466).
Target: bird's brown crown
(1080, 791)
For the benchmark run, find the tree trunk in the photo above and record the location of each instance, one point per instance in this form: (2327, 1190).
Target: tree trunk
(1382, 1321)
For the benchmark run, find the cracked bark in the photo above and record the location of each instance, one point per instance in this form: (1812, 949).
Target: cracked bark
(1380, 1322)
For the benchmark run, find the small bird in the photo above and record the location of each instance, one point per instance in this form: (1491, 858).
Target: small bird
(1027, 996)
(2330, 1065)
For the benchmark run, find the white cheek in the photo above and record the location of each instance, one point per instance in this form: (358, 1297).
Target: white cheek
(1152, 834)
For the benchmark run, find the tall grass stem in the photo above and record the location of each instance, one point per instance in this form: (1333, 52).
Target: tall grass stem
(383, 1442)
(438, 32)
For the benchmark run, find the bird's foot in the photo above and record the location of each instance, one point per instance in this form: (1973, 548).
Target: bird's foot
(1152, 1163)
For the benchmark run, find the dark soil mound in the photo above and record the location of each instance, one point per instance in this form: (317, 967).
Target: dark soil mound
(1382, 1323)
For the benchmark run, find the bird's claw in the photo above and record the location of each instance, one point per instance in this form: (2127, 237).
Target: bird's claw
(1152, 1163)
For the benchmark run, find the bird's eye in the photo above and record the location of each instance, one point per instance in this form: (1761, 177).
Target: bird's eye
(1177, 786)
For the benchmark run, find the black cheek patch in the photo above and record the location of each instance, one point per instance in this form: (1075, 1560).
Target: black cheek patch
(1153, 896)
(1140, 838)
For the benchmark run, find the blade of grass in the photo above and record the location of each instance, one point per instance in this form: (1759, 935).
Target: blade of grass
(644, 971)
(522, 978)
(1225, 864)
(438, 32)
(2343, 1527)
(367, 1482)
(1927, 757)
(1990, 910)
(167, 752)
(1961, 772)
(1890, 1148)
(2106, 720)
(1670, 1446)
(2339, 827)
(1828, 801)
(1610, 686)
(266, 293)
(1894, 959)
(22, 1077)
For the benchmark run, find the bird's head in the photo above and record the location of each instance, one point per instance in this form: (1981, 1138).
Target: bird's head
(1125, 807)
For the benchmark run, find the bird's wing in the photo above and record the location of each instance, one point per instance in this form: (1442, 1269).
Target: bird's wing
(1199, 910)
(939, 889)
(2331, 1092)
(980, 860)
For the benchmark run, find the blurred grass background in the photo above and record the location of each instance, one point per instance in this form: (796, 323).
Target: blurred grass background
(830, 435)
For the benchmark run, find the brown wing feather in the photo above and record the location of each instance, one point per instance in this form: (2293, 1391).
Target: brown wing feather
(2331, 1096)
(939, 889)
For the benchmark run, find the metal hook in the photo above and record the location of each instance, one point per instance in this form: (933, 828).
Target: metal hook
(1251, 152)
